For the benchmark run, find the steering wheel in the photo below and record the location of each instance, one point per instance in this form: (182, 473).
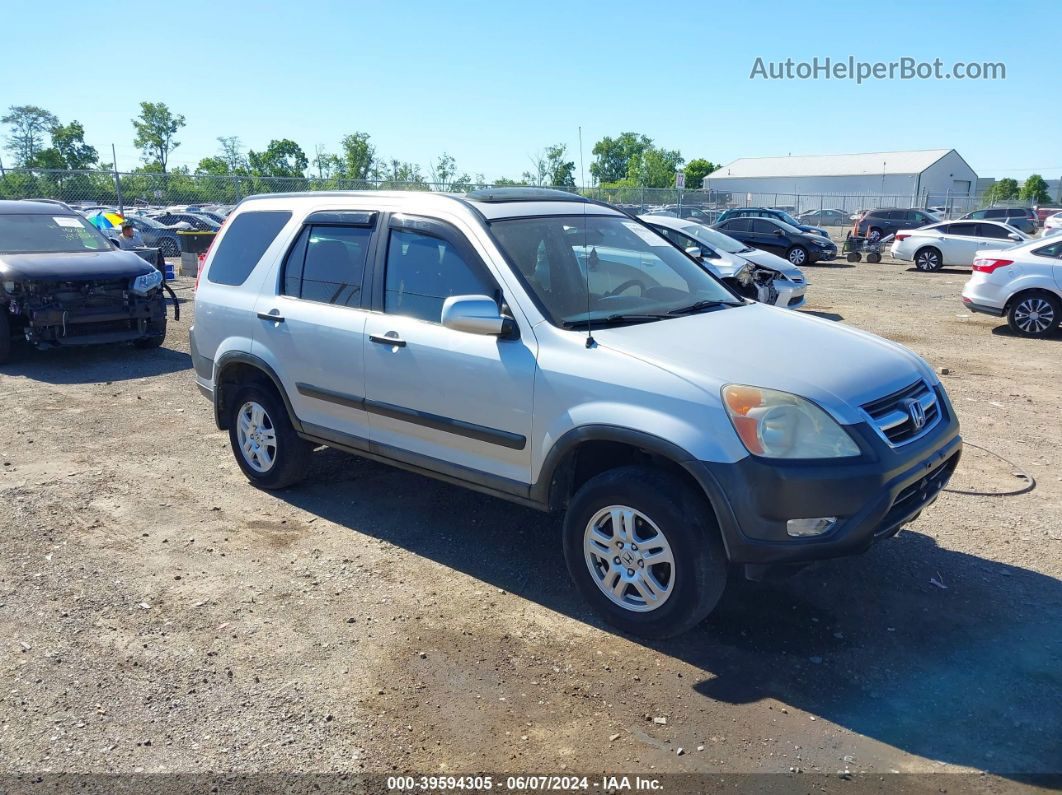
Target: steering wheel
(629, 283)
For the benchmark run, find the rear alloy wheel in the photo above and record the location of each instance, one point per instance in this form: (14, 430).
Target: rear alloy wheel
(169, 248)
(797, 255)
(928, 259)
(644, 551)
(267, 448)
(1034, 315)
(5, 334)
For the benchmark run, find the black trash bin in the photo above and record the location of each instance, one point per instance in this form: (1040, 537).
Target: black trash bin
(192, 245)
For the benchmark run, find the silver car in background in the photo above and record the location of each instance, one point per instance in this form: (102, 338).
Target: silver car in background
(753, 273)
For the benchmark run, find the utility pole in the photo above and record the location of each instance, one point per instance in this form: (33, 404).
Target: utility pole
(117, 181)
(2, 172)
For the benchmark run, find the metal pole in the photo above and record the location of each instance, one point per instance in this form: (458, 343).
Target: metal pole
(117, 181)
(582, 174)
(2, 172)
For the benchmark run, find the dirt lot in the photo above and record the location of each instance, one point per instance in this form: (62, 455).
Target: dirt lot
(159, 614)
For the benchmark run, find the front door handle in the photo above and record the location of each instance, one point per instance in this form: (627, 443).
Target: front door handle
(390, 338)
(276, 318)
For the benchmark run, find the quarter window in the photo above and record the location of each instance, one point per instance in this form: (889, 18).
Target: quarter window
(243, 244)
(423, 271)
(1054, 250)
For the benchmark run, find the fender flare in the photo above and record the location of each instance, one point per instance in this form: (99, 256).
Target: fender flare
(240, 357)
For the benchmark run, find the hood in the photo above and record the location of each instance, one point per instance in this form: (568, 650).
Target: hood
(768, 260)
(725, 265)
(834, 365)
(814, 230)
(77, 266)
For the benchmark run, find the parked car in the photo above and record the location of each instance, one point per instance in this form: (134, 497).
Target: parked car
(702, 215)
(1052, 224)
(62, 283)
(1021, 218)
(777, 215)
(951, 242)
(158, 235)
(885, 221)
(824, 218)
(1023, 282)
(198, 223)
(750, 272)
(1043, 213)
(494, 340)
(777, 237)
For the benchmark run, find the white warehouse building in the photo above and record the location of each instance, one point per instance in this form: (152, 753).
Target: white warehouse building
(930, 173)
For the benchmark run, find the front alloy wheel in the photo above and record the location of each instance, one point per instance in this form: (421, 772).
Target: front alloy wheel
(1034, 315)
(629, 558)
(798, 255)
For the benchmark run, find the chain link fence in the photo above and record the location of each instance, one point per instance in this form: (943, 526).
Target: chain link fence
(130, 190)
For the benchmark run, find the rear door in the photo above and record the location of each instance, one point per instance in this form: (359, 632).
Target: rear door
(452, 401)
(312, 322)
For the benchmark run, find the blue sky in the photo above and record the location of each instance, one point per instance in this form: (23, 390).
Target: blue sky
(494, 82)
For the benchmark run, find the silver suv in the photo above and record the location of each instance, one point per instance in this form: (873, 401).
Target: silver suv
(553, 351)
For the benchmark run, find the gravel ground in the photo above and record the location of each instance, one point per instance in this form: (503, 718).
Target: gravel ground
(159, 614)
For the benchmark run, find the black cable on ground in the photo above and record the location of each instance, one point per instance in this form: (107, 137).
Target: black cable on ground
(1029, 485)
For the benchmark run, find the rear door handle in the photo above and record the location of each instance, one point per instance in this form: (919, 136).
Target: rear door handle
(270, 316)
(385, 339)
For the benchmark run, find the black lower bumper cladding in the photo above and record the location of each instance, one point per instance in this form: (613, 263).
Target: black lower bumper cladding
(78, 324)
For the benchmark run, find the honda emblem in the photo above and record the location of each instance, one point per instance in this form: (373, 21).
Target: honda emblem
(916, 413)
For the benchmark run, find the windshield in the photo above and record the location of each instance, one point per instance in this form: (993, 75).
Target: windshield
(715, 238)
(39, 233)
(787, 218)
(634, 274)
(151, 223)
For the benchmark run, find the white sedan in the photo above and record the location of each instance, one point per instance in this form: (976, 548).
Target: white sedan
(1052, 225)
(952, 242)
(1023, 283)
(756, 274)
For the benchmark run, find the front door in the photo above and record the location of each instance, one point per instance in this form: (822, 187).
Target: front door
(448, 400)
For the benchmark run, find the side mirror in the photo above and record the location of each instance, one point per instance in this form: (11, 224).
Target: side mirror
(695, 252)
(778, 233)
(476, 314)
(1013, 236)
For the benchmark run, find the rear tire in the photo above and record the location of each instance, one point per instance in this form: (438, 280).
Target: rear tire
(265, 444)
(169, 248)
(5, 335)
(874, 258)
(1035, 315)
(618, 510)
(854, 256)
(928, 259)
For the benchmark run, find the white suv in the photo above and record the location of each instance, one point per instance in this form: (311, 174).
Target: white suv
(550, 350)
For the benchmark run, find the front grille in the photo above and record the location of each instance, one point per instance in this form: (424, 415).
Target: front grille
(895, 416)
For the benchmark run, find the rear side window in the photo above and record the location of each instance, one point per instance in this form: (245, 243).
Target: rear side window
(243, 244)
(964, 229)
(327, 263)
(738, 225)
(995, 214)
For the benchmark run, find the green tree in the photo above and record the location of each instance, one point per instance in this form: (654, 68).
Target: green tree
(1003, 190)
(358, 155)
(69, 141)
(445, 177)
(216, 166)
(283, 158)
(612, 156)
(155, 128)
(654, 168)
(47, 158)
(327, 164)
(559, 172)
(697, 170)
(1035, 190)
(29, 124)
(232, 154)
(505, 182)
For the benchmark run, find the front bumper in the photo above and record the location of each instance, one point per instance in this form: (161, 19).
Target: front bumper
(873, 495)
(790, 294)
(821, 254)
(135, 318)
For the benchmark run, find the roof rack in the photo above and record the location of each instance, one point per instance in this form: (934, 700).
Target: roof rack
(498, 195)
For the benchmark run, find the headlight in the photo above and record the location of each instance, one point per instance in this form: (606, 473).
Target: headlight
(820, 242)
(142, 285)
(780, 425)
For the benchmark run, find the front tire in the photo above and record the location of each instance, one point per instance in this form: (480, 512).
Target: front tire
(158, 336)
(928, 260)
(265, 444)
(1034, 315)
(797, 255)
(644, 551)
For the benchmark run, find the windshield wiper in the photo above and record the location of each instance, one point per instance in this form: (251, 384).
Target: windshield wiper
(700, 305)
(612, 320)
